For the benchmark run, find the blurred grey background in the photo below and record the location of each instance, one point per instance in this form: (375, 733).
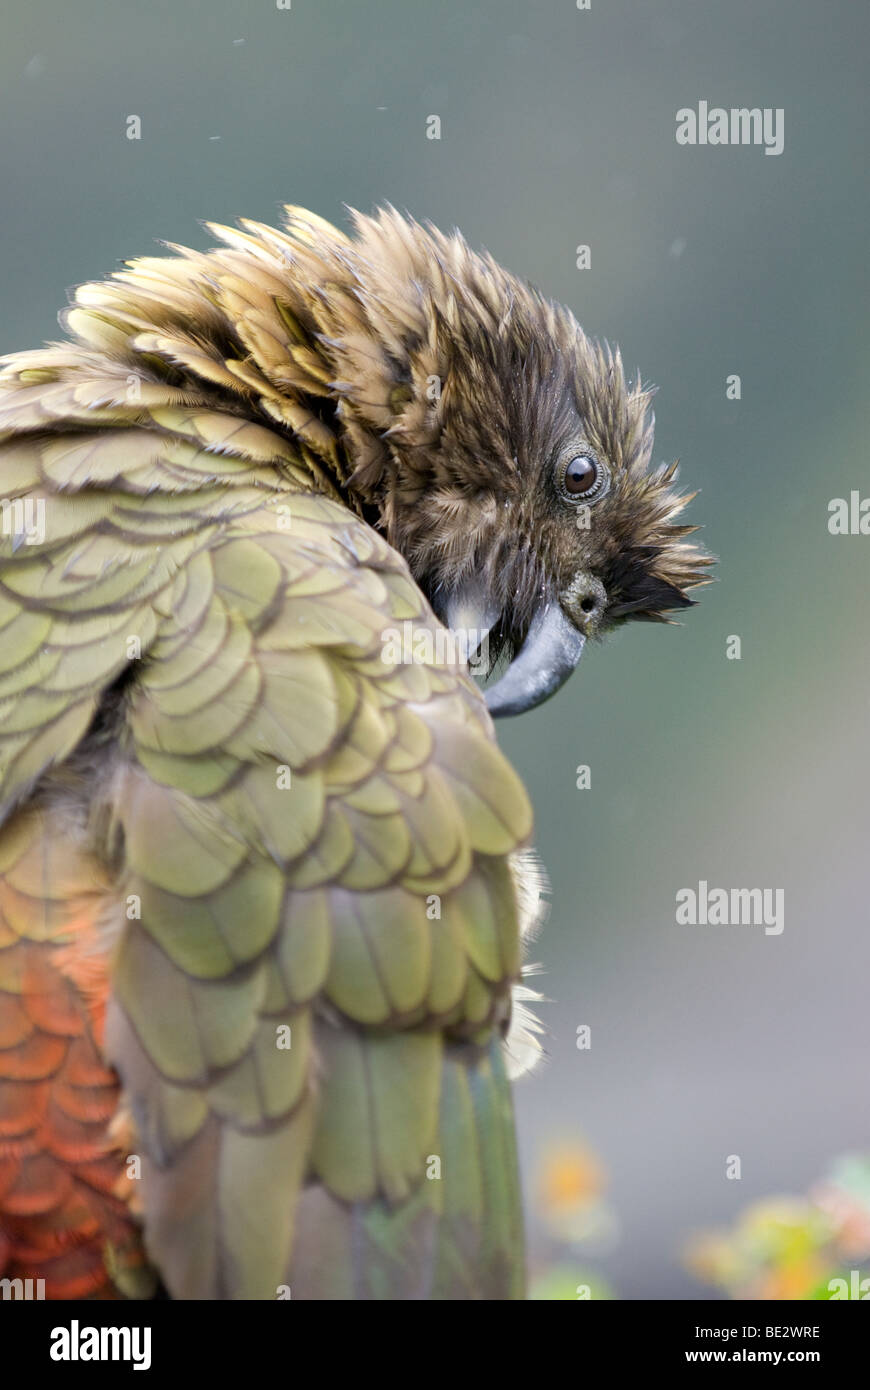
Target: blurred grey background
(558, 129)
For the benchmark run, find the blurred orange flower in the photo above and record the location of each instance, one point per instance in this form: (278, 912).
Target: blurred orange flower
(570, 1176)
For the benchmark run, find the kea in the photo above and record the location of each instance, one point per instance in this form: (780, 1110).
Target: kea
(265, 876)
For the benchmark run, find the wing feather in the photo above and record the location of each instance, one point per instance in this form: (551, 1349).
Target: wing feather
(308, 923)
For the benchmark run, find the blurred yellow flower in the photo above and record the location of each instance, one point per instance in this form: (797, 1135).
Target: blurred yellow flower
(789, 1247)
(570, 1176)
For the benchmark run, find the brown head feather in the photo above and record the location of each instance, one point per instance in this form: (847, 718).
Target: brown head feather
(459, 387)
(417, 379)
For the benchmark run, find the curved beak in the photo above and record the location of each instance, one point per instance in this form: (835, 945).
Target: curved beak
(552, 649)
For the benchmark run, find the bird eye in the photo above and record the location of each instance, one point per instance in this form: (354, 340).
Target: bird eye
(582, 478)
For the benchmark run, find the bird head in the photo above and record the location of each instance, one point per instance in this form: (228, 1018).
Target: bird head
(505, 453)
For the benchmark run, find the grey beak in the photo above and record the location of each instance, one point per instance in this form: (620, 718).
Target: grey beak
(552, 649)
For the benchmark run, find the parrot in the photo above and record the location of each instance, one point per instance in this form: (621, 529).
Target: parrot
(266, 879)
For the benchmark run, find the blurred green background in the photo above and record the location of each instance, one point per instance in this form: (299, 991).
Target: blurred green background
(558, 129)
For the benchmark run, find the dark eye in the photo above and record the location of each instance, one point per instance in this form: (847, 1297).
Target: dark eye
(582, 478)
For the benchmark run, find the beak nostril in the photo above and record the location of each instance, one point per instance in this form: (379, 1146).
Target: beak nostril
(585, 600)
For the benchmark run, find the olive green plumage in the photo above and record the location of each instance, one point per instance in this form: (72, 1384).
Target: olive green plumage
(291, 874)
(305, 844)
